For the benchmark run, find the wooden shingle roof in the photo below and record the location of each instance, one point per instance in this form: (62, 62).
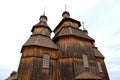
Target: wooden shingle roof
(87, 76)
(68, 30)
(97, 53)
(41, 24)
(67, 19)
(40, 40)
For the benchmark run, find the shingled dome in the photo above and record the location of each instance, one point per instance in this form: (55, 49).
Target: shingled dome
(39, 40)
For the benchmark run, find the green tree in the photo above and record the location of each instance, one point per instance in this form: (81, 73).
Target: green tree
(13, 73)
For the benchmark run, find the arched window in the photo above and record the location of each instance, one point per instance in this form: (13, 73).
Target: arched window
(46, 59)
(99, 66)
(85, 60)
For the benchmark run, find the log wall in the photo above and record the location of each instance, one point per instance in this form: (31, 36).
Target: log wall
(70, 57)
(31, 64)
(71, 46)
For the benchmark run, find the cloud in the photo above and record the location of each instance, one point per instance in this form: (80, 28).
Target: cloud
(114, 67)
(114, 70)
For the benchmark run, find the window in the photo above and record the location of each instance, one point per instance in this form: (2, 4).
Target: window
(82, 44)
(99, 66)
(85, 60)
(46, 59)
(43, 32)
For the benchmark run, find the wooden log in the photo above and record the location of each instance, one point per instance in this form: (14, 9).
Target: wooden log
(39, 51)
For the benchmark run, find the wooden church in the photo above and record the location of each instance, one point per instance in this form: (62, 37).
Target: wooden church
(70, 55)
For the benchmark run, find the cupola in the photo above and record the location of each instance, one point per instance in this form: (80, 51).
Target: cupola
(42, 27)
(65, 14)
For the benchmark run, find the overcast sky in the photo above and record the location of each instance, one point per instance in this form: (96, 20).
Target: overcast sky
(17, 17)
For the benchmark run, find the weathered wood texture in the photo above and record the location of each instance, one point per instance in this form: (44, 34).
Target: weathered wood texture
(34, 51)
(66, 23)
(105, 73)
(25, 69)
(65, 69)
(31, 64)
(38, 30)
(71, 46)
(64, 61)
(70, 58)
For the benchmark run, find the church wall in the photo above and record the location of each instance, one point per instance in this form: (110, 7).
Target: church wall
(38, 52)
(105, 73)
(71, 46)
(70, 57)
(75, 54)
(31, 64)
(37, 30)
(25, 69)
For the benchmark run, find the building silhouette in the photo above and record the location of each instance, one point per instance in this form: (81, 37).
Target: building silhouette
(70, 55)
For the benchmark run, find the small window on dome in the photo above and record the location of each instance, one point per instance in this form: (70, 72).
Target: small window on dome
(43, 32)
(46, 59)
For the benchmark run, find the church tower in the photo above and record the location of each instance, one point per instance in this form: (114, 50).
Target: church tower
(39, 54)
(70, 55)
(79, 59)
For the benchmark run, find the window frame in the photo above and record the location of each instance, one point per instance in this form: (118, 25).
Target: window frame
(99, 66)
(46, 61)
(85, 60)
